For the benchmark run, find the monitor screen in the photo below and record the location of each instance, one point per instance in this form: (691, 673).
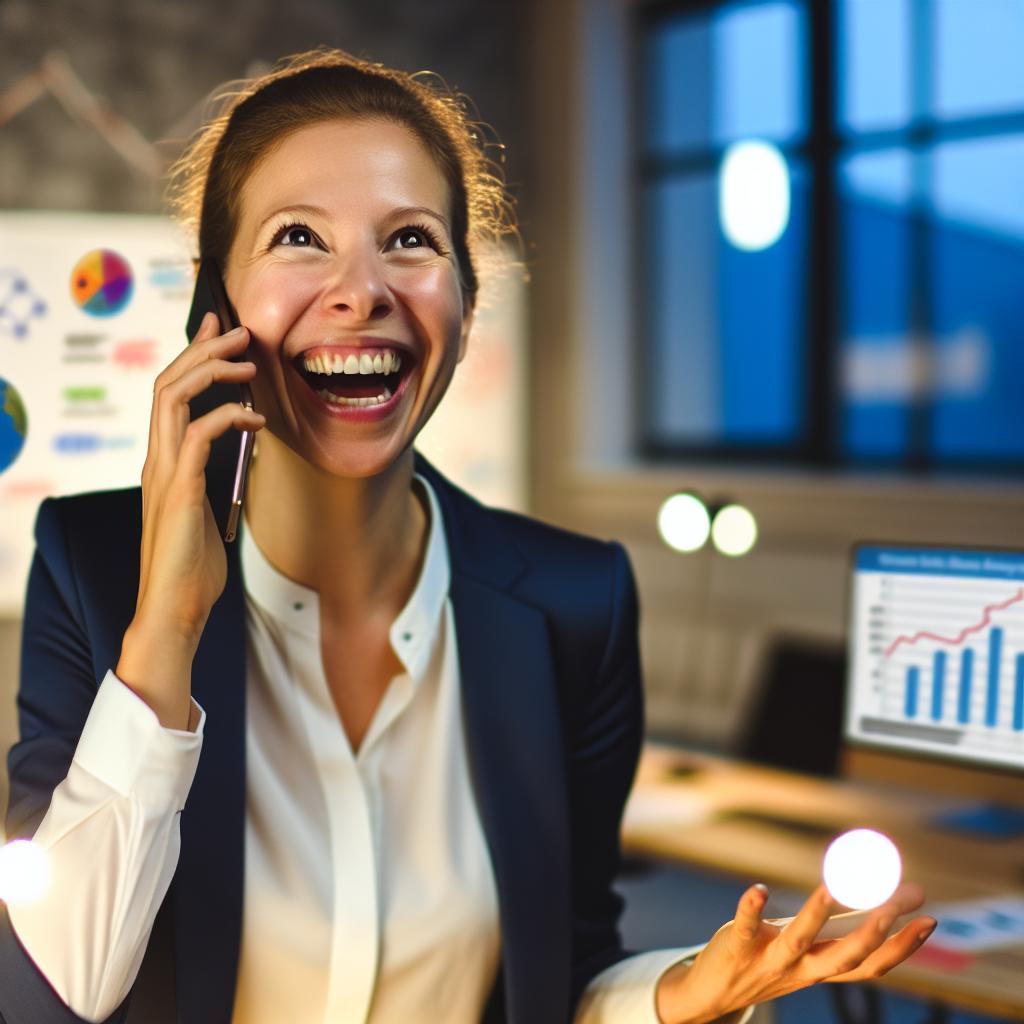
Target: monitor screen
(937, 653)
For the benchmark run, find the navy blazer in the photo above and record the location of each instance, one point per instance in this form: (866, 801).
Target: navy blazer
(552, 707)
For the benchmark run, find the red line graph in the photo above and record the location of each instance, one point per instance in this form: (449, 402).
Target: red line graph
(986, 619)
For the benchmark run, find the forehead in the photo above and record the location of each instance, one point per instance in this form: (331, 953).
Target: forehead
(345, 165)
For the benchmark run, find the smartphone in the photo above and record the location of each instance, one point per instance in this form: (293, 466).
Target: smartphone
(230, 454)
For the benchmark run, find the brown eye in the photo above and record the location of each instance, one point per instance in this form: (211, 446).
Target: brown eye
(296, 236)
(409, 239)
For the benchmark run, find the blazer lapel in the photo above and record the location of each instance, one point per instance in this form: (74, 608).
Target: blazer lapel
(208, 883)
(515, 744)
(514, 738)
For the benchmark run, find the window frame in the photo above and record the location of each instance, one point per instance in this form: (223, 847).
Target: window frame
(824, 150)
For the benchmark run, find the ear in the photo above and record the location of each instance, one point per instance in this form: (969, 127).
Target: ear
(467, 326)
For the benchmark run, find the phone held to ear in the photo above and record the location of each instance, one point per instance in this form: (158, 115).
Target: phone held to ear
(228, 466)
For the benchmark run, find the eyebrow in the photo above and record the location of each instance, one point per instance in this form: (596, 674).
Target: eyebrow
(319, 211)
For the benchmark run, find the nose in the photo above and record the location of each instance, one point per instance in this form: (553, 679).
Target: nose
(358, 288)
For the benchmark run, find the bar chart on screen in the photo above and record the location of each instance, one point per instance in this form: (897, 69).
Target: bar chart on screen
(938, 652)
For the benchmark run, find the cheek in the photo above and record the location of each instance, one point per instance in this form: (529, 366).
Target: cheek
(270, 301)
(437, 301)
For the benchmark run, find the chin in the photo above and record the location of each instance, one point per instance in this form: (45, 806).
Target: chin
(358, 461)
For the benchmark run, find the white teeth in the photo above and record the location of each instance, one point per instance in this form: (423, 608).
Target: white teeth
(333, 399)
(325, 363)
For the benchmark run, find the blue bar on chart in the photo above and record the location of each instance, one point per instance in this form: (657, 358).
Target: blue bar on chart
(1018, 696)
(966, 669)
(913, 673)
(995, 647)
(938, 684)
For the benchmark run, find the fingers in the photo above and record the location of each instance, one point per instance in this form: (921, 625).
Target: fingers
(852, 953)
(208, 344)
(209, 327)
(200, 434)
(889, 954)
(747, 921)
(171, 411)
(798, 936)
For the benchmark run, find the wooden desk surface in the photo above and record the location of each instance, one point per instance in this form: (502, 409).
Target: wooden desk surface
(683, 819)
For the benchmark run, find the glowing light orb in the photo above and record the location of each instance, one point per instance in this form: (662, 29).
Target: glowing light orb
(734, 530)
(683, 522)
(753, 195)
(24, 872)
(862, 869)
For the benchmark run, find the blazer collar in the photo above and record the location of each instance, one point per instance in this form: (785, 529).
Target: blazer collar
(513, 730)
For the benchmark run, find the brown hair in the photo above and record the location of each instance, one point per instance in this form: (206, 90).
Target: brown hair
(328, 84)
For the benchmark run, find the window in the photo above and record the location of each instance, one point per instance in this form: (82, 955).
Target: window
(831, 227)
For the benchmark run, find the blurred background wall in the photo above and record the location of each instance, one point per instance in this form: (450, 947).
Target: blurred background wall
(850, 370)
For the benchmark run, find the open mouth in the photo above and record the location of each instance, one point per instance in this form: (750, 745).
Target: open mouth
(369, 378)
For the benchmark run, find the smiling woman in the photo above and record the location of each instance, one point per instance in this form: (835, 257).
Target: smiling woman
(424, 715)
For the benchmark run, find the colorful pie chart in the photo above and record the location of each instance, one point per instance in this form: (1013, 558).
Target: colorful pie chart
(102, 283)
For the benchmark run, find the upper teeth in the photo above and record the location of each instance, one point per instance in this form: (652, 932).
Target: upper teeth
(364, 363)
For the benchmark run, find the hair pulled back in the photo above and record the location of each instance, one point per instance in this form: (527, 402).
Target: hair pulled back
(326, 84)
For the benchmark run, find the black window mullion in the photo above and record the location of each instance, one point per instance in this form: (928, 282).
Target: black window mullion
(919, 456)
(821, 388)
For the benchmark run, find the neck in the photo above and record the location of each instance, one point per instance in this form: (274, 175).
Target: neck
(358, 542)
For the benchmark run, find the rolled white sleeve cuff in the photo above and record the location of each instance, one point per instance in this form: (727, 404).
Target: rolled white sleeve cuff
(124, 745)
(625, 993)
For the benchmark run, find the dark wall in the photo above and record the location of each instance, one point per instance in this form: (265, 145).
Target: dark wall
(154, 61)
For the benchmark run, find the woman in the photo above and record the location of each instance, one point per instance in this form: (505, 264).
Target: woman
(419, 718)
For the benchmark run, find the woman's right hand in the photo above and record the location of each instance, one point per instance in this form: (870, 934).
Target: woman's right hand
(183, 566)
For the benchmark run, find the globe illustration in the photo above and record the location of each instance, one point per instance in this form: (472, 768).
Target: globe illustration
(13, 424)
(102, 283)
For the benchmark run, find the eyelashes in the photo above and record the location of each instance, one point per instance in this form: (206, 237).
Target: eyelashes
(429, 235)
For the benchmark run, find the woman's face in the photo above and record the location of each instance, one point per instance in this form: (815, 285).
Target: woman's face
(343, 271)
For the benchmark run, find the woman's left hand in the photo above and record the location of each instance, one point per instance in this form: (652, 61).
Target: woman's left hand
(751, 961)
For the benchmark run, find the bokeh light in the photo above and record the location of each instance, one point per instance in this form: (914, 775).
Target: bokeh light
(753, 195)
(734, 530)
(24, 872)
(683, 522)
(862, 869)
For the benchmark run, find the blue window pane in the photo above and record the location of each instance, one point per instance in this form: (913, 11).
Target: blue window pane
(874, 78)
(683, 280)
(979, 183)
(678, 85)
(758, 61)
(978, 60)
(878, 364)
(978, 266)
(727, 328)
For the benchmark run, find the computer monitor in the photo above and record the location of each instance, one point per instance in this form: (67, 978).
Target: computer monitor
(936, 654)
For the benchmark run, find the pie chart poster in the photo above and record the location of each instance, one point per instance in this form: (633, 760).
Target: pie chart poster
(91, 307)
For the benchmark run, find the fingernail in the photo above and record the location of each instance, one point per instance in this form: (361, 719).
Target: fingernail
(925, 932)
(761, 888)
(237, 332)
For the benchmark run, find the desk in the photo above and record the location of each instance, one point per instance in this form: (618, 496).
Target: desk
(683, 819)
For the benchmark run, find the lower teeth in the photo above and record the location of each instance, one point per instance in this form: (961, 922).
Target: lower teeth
(380, 399)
